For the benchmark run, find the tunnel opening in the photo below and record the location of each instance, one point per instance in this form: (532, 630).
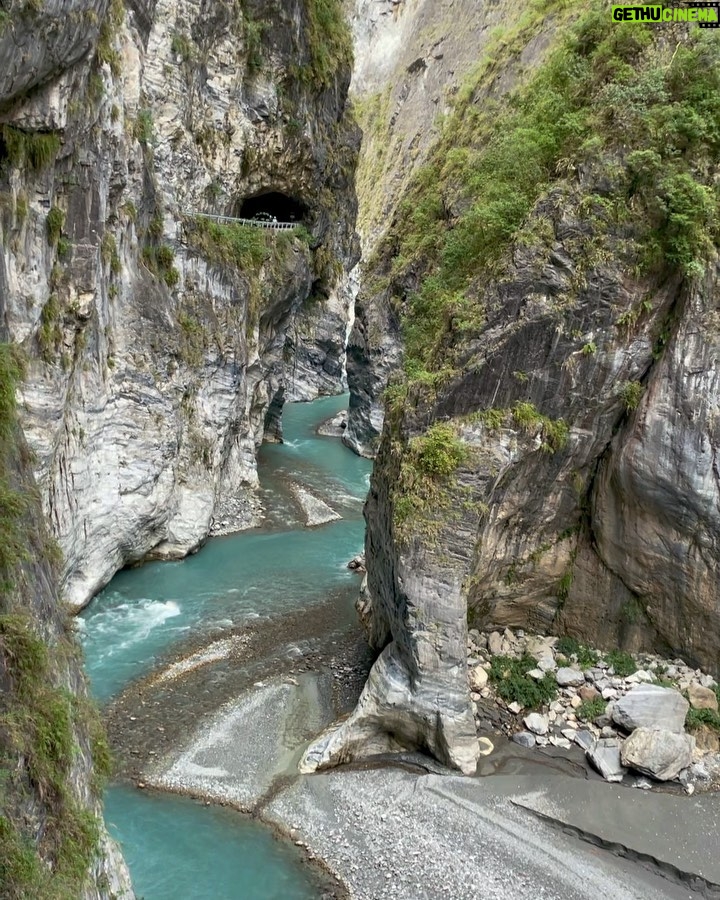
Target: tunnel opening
(273, 206)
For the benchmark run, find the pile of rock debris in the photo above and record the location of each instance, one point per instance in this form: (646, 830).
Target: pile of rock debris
(629, 713)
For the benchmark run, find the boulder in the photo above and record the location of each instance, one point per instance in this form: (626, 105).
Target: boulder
(651, 706)
(537, 647)
(495, 643)
(478, 678)
(537, 723)
(702, 698)
(659, 753)
(604, 754)
(707, 740)
(524, 739)
(357, 563)
(569, 677)
(584, 739)
(587, 693)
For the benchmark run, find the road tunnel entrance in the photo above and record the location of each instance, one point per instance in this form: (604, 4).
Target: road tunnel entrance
(273, 206)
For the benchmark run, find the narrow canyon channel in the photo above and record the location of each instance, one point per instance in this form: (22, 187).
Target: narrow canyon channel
(178, 847)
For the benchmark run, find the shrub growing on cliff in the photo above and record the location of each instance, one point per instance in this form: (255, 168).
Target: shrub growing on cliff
(630, 393)
(425, 486)
(329, 41)
(54, 223)
(230, 243)
(440, 451)
(35, 150)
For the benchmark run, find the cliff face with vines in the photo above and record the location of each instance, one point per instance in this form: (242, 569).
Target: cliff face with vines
(537, 326)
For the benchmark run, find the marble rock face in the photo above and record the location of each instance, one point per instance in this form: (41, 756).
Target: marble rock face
(658, 753)
(158, 362)
(651, 706)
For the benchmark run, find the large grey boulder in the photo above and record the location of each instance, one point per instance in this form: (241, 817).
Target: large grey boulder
(604, 754)
(658, 753)
(567, 677)
(650, 706)
(537, 723)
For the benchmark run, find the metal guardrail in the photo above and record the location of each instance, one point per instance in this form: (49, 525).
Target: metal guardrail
(255, 223)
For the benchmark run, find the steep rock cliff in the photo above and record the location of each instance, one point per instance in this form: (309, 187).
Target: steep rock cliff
(53, 841)
(411, 60)
(161, 344)
(550, 275)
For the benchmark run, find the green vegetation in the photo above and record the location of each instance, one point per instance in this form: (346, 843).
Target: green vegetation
(604, 87)
(630, 392)
(21, 208)
(42, 722)
(229, 243)
(330, 43)
(554, 431)
(160, 262)
(589, 710)
(107, 53)
(36, 150)
(50, 333)
(424, 487)
(524, 415)
(513, 684)
(697, 718)
(13, 504)
(144, 128)
(252, 34)
(109, 253)
(193, 340)
(439, 452)
(54, 224)
(181, 45)
(622, 663)
(586, 657)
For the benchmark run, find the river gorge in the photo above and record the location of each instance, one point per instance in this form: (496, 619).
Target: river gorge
(429, 287)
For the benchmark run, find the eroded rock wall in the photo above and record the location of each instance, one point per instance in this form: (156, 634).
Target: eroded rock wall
(156, 345)
(551, 442)
(53, 754)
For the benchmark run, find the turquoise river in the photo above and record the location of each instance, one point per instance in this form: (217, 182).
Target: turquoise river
(178, 849)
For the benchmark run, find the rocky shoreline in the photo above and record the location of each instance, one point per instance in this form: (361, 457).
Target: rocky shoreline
(399, 827)
(628, 713)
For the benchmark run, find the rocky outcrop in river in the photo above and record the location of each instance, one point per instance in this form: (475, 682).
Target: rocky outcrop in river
(162, 345)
